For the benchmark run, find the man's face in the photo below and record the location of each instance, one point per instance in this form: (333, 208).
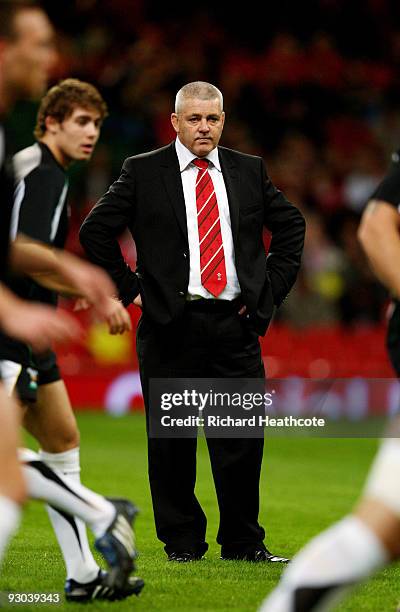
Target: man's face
(76, 136)
(30, 56)
(199, 125)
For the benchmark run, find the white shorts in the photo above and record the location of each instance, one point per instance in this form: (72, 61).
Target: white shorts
(9, 372)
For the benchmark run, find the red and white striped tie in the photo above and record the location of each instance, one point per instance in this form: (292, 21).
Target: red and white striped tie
(212, 257)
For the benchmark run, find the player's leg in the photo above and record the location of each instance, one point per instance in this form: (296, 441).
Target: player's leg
(12, 485)
(351, 550)
(51, 421)
(110, 521)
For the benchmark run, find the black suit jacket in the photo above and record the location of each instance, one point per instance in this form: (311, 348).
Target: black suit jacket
(148, 200)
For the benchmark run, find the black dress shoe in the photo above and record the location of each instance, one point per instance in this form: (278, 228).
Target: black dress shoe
(184, 556)
(265, 555)
(256, 555)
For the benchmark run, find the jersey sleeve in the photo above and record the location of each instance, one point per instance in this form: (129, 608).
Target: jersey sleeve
(389, 189)
(34, 205)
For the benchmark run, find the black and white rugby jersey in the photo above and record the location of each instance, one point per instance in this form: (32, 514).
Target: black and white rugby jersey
(39, 210)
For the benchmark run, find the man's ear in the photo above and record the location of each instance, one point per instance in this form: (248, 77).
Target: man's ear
(175, 122)
(52, 125)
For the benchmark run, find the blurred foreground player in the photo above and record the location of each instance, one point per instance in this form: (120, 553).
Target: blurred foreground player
(26, 53)
(369, 538)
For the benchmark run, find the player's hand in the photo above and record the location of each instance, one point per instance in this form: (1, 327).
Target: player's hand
(90, 281)
(138, 301)
(117, 317)
(39, 325)
(114, 313)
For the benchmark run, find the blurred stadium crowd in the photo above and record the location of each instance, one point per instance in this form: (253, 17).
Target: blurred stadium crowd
(312, 87)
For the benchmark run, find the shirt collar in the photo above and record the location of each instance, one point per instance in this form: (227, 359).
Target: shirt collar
(185, 157)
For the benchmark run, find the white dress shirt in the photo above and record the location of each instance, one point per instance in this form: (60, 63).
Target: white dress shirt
(189, 175)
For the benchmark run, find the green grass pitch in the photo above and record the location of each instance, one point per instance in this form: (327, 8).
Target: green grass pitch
(306, 485)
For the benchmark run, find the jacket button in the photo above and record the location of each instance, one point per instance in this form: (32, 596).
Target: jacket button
(185, 255)
(181, 293)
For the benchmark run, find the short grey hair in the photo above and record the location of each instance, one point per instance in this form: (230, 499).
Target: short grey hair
(200, 90)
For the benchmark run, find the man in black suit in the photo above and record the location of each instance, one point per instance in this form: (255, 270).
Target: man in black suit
(196, 212)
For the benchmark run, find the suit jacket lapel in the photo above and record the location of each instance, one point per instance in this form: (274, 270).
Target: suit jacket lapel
(173, 185)
(231, 176)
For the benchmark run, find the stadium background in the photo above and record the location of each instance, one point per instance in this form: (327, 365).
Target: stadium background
(312, 87)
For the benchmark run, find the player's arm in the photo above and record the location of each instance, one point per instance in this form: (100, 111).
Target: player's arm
(50, 267)
(38, 325)
(37, 259)
(379, 236)
(63, 272)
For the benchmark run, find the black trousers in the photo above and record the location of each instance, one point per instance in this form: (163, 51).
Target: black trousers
(210, 340)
